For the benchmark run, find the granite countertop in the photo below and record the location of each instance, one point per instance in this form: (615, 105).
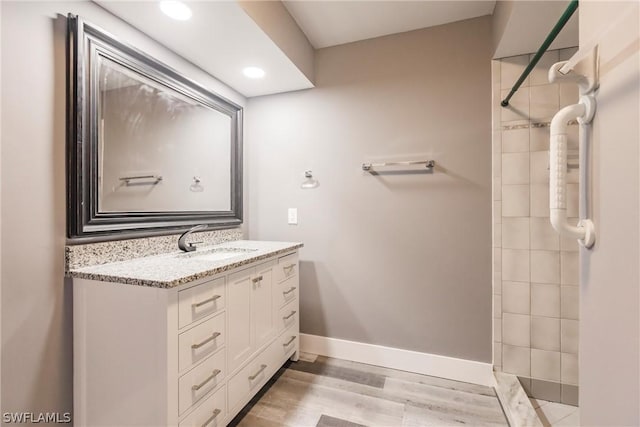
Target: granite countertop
(176, 268)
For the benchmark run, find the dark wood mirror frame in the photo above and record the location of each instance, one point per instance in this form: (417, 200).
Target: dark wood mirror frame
(84, 221)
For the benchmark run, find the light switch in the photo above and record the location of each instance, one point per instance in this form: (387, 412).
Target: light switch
(292, 216)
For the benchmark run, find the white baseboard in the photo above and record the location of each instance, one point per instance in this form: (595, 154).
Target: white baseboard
(405, 360)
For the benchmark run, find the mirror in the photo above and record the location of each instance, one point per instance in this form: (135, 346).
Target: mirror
(150, 151)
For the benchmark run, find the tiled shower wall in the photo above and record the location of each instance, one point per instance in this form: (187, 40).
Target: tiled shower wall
(535, 283)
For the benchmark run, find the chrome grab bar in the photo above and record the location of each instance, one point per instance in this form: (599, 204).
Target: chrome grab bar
(429, 164)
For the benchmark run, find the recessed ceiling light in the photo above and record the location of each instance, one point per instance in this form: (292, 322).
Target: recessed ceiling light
(253, 72)
(175, 9)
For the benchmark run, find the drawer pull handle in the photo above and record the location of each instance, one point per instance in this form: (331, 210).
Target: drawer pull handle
(289, 316)
(293, 288)
(211, 338)
(213, 417)
(254, 376)
(288, 267)
(212, 376)
(257, 279)
(212, 299)
(292, 339)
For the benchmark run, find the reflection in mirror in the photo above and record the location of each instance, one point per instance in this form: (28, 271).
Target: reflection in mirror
(158, 150)
(149, 151)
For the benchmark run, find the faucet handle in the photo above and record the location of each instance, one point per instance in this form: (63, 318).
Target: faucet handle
(194, 243)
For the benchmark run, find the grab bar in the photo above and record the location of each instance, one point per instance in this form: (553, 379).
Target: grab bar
(429, 164)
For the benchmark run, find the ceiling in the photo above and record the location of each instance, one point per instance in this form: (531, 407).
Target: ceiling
(221, 39)
(330, 23)
(527, 24)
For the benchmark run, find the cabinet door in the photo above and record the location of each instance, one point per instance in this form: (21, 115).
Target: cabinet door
(239, 290)
(262, 304)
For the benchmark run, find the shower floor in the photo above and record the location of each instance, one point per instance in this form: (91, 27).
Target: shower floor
(554, 414)
(324, 392)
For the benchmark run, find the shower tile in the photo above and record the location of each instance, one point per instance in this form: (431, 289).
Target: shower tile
(515, 200)
(539, 138)
(545, 266)
(497, 306)
(518, 108)
(510, 70)
(545, 333)
(572, 200)
(497, 330)
(545, 390)
(497, 212)
(515, 140)
(543, 236)
(497, 164)
(497, 283)
(568, 94)
(545, 102)
(569, 307)
(515, 233)
(539, 167)
(497, 354)
(497, 188)
(569, 338)
(545, 300)
(515, 265)
(569, 395)
(567, 53)
(540, 200)
(515, 297)
(515, 168)
(569, 268)
(540, 73)
(516, 329)
(545, 365)
(496, 142)
(497, 237)
(569, 368)
(516, 360)
(497, 260)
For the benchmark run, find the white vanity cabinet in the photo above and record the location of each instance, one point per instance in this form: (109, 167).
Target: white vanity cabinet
(190, 355)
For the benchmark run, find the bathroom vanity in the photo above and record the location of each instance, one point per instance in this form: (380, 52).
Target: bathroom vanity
(182, 339)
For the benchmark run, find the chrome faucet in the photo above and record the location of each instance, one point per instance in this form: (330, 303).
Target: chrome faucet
(189, 247)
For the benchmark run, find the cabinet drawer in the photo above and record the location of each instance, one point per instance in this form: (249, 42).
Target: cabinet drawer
(287, 316)
(200, 301)
(287, 342)
(199, 381)
(211, 413)
(253, 376)
(287, 267)
(285, 292)
(198, 342)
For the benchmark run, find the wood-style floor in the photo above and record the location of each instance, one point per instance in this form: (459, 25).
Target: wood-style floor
(323, 392)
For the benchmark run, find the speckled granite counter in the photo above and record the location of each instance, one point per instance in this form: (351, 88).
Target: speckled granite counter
(176, 268)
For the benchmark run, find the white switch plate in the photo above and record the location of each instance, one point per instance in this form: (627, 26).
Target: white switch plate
(292, 216)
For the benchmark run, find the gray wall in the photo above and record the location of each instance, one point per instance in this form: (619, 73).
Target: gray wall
(396, 260)
(610, 274)
(36, 304)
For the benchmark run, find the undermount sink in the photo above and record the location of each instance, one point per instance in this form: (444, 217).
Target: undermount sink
(216, 254)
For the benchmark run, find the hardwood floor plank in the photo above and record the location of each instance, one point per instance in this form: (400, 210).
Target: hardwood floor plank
(315, 394)
(319, 367)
